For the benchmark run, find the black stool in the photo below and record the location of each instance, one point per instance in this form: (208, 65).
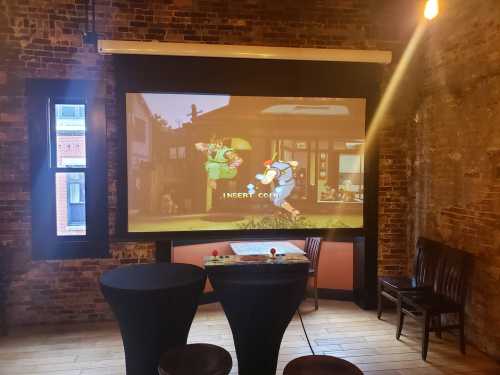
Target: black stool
(320, 365)
(196, 359)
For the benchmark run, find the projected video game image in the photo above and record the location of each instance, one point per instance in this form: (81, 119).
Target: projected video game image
(199, 162)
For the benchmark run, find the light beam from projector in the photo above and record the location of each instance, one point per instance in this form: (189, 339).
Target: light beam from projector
(397, 77)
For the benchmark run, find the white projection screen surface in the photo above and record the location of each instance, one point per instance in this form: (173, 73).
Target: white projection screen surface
(200, 162)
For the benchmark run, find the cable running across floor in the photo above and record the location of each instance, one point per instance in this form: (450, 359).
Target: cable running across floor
(305, 332)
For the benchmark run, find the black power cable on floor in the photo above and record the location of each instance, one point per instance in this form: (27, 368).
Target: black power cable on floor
(305, 332)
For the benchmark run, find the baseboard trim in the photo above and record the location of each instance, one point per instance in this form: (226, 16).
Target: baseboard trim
(333, 294)
(336, 294)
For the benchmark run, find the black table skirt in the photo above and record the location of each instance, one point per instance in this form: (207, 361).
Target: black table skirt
(259, 302)
(155, 306)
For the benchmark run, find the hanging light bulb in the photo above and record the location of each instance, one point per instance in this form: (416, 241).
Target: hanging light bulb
(431, 9)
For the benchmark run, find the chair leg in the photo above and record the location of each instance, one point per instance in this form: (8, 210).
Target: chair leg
(316, 305)
(306, 292)
(401, 318)
(425, 335)
(437, 325)
(379, 300)
(3, 322)
(461, 319)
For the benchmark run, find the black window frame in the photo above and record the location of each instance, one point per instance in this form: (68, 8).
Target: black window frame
(42, 96)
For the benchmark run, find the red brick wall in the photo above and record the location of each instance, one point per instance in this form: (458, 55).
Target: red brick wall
(42, 39)
(456, 160)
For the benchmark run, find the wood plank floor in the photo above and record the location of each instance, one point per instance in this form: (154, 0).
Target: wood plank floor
(338, 328)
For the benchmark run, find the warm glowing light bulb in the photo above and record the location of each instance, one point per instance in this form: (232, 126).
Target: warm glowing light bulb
(431, 9)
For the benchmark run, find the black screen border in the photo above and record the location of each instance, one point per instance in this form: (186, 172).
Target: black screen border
(167, 74)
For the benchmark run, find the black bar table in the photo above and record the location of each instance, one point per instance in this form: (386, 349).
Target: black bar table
(155, 306)
(259, 295)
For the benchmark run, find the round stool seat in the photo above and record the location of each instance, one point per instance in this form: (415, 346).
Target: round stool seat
(320, 365)
(199, 359)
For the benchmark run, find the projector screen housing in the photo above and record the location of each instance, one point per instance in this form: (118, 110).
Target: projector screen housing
(249, 78)
(125, 47)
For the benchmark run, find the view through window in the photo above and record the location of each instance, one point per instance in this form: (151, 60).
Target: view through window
(70, 168)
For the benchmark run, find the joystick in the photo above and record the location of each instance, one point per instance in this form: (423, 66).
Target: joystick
(273, 252)
(214, 254)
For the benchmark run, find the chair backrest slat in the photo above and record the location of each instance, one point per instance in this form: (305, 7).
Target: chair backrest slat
(451, 279)
(312, 249)
(426, 261)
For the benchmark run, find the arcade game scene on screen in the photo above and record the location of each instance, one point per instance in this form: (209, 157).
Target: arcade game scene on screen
(221, 162)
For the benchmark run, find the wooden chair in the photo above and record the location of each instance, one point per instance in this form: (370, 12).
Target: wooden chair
(312, 249)
(446, 297)
(426, 262)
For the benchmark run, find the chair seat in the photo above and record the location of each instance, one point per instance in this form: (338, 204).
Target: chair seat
(320, 365)
(430, 302)
(199, 359)
(400, 284)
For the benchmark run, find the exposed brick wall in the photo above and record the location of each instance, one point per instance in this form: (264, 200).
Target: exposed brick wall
(457, 151)
(42, 39)
(395, 134)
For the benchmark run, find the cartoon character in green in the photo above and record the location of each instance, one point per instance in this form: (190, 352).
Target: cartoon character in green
(222, 161)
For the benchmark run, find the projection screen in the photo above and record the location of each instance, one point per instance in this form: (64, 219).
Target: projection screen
(200, 162)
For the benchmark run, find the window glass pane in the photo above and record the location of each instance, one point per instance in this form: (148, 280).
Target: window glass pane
(354, 145)
(70, 135)
(70, 204)
(181, 152)
(350, 178)
(301, 145)
(350, 163)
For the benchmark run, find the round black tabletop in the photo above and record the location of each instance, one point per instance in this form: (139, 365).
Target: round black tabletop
(154, 276)
(155, 306)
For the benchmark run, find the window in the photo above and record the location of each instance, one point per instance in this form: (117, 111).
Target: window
(351, 171)
(181, 152)
(75, 222)
(70, 112)
(68, 170)
(69, 135)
